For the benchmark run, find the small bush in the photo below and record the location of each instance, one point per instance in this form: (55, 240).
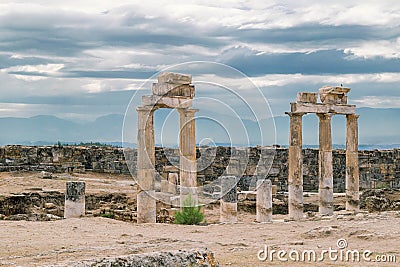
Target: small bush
(107, 215)
(190, 213)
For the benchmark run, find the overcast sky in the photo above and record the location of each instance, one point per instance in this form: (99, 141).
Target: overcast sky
(83, 59)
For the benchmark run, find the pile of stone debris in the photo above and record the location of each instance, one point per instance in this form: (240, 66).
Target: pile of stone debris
(380, 200)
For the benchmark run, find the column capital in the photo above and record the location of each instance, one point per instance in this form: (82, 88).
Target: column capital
(353, 116)
(325, 116)
(295, 114)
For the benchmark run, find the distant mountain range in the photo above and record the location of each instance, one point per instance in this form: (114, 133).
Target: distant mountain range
(376, 127)
(46, 129)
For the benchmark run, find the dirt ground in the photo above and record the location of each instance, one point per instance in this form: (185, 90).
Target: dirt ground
(45, 243)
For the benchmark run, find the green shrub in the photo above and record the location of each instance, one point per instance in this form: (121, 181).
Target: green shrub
(190, 213)
(107, 215)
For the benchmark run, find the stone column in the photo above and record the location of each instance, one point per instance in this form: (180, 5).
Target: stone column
(187, 146)
(146, 202)
(295, 176)
(352, 170)
(74, 200)
(325, 172)
(264, 201)
(228, 202)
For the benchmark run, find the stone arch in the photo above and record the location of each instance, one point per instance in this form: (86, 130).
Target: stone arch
(175, 91)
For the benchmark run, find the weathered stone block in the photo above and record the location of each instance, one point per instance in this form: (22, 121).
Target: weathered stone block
(322, 108)
(46, 175)
(228, 202)
(339, 99)
(333, 90)
(171, 77)
(264, 201)
(164, 186)
(166, 101)
(194, 258)
(307, 97)
(333, 95)
(172, 89)
(74, 200)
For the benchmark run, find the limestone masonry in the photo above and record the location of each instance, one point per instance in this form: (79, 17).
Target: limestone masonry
(333, 102)
(378, 168)
(173, 90)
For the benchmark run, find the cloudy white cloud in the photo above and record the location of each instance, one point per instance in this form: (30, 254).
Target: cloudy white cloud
(76, 52)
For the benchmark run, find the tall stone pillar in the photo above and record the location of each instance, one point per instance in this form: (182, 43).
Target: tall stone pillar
(228, 202)
(295, 177)
(352, 170)
(187, 145)
(325, 172)
(74, 200)
(146, 201)
(264, 201)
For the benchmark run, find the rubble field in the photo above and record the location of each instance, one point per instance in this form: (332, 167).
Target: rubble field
(34, 232)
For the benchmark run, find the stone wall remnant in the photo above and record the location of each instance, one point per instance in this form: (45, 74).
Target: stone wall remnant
(377, 168)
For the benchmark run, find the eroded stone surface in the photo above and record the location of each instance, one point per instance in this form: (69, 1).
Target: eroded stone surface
(74, 200)
(172, 89)
(307, 97)
(172, 77)
(264, 201)
(333, 90)
(195, 258)
(166, 101)
(333, 94)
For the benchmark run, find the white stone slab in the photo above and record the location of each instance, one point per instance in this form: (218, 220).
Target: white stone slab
(171, 77)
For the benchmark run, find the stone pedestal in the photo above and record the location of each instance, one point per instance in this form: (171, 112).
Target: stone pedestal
(146, 203)
(145, 166)
(228, 202)
(325, 172)
(74, 200)
(264, 201)
(352, 169)
(172, 182)
(164, 186)
(188, 169)
(295, 176)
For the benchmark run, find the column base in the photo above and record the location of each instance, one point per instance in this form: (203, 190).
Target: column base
(326, 201)
(146, 207)
(296, 205)
(228, 212)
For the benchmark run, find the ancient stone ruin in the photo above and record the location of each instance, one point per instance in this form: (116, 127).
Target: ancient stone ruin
(74, 200)
(378, 168)
(175, 91)
(333, 102)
